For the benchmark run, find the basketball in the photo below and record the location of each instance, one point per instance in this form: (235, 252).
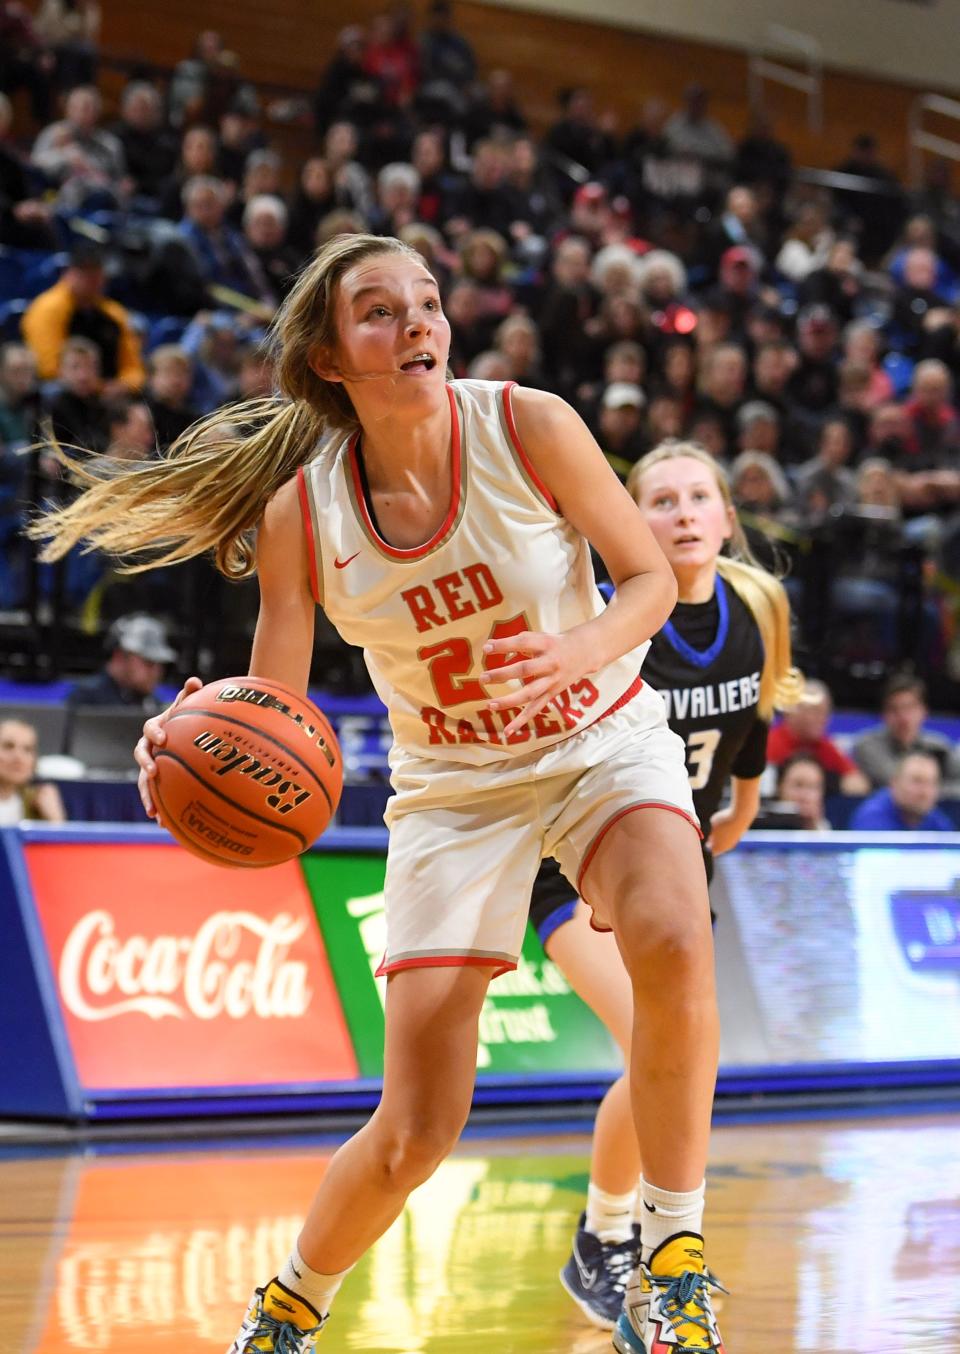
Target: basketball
(250, 773)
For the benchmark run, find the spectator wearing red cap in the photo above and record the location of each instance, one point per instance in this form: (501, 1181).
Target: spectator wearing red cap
(590, 214)
(740, 283)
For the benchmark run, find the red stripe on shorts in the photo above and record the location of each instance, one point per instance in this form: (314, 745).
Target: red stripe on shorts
(445, 961)
(615, 818)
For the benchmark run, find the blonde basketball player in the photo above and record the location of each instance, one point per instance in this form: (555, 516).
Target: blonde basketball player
(445, 528)
(722, 664)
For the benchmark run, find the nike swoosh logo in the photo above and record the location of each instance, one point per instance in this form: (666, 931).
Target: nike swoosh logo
(295, 1270)
(342, 563)
(651, 1208)
(588, 1276)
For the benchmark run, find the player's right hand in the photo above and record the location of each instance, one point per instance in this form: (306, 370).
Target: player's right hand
(154, 737)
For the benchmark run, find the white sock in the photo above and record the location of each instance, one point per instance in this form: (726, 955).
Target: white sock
(663, 1214)
(317, 1289)
(609, 1216)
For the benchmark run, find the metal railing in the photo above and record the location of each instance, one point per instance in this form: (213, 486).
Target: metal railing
(919, 140)
(767, 63)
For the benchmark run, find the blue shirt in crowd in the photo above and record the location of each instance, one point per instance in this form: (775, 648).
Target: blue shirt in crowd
(880, 814)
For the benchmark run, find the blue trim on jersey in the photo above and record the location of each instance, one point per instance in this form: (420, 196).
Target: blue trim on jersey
(703, 658)
(557, 918)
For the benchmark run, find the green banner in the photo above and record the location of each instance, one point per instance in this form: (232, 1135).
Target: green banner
(530, 1022)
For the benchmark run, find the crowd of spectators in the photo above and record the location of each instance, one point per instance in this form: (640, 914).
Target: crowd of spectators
(665, 278)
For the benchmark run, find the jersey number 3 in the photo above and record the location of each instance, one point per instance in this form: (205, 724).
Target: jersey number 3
(701, 747)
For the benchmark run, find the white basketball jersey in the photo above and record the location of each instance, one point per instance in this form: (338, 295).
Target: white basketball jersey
(503, 560)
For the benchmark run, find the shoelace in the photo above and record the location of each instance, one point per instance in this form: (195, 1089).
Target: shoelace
(285, 1335)
(681, 1289)
(619, 1262)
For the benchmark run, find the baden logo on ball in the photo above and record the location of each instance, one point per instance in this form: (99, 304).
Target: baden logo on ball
(250, 773)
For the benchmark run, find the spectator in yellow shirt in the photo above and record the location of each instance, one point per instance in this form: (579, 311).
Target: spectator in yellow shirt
(76, 306)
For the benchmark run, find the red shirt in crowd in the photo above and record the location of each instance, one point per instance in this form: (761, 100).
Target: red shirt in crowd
(782, 743)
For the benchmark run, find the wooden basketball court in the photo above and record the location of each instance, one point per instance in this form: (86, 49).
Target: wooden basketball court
(838, 1235)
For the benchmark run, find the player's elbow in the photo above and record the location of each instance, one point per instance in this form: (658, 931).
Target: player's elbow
(667, 592)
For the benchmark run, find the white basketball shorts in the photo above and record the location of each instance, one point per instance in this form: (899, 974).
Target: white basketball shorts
(466, 842)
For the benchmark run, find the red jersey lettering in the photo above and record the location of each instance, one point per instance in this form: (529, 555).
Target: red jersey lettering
(422, 608)
(586, 692)
(544, 726)
(485, 587)
(448, 586)
(436, 722)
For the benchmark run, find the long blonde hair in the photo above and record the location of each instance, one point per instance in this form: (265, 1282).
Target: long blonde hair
(208, 492)
(781, 684)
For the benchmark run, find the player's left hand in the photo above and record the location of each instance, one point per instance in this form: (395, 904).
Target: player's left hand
(725, 831)
(544, 664)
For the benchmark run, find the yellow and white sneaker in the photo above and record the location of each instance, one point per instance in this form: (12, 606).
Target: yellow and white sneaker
(278, 1322)
(667, 1308)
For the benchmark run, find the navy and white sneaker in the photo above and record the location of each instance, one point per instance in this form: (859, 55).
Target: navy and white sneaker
(596, 1274)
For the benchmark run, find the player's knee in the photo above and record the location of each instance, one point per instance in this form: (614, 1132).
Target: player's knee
(414, 1148)
(664, 942)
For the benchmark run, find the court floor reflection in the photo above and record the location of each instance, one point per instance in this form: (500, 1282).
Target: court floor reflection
(840, 1236)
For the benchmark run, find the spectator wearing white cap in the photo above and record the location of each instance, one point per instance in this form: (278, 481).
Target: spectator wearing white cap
(620, 425)
(138, 651)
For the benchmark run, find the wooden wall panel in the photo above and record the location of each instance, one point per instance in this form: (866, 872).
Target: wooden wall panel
(290, 41)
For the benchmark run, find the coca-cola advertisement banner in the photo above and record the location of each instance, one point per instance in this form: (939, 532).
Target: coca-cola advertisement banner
(173, 973)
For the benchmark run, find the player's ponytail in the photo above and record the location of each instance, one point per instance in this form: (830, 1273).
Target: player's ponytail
(781, 684)
(208, 491)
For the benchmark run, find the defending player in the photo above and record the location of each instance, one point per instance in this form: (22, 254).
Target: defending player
(721, 663)
(445, 529)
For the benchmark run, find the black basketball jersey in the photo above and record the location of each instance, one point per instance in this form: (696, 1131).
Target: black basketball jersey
(706, 663)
